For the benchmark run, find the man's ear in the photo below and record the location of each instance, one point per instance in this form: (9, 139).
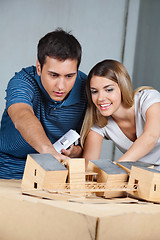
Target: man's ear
(38, 67)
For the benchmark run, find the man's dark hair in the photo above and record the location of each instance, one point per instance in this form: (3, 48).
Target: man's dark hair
(60, 45)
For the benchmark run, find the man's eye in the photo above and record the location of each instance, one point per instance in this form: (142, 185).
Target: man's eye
(53, 75)
(69, 76)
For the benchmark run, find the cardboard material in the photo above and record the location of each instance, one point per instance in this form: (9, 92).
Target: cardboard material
(24, 217)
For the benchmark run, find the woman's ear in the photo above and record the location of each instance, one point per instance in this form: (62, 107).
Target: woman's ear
(38, 67)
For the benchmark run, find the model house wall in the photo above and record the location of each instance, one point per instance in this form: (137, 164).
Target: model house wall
(148, 183)
(76, 176)
(109, 173)
(76, 167)
(43, 171)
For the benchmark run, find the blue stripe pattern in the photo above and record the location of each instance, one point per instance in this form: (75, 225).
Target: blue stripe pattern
(56, 117)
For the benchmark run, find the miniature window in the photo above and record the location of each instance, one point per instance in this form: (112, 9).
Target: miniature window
(135, 182)
(35, 185)
(87, 178)
(154, 187)
(35, 172)
(94, 178)
(91, 178)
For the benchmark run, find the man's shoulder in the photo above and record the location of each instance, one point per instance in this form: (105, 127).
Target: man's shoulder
(31, 70)
(25, 77)
(81, 75)
(81, 80)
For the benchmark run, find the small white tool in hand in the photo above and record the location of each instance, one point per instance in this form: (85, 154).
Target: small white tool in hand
(66, 140)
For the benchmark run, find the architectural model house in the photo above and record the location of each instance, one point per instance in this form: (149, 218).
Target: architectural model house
(43, 171)
(148, 183)
(128, 165)
(103, 178)
(110, 173)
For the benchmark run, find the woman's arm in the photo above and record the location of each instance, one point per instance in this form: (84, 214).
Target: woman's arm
(92, 146)
(31, 129)
(147, 141)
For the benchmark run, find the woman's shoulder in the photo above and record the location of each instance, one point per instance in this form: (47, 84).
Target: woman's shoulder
(147, 93)
(145, 98)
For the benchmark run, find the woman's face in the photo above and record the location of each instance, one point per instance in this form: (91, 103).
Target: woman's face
(106, 95)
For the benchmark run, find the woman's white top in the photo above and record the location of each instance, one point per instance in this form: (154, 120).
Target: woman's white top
(143, 100)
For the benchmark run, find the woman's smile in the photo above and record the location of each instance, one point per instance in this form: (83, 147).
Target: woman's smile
(104, 106)
(106, 95)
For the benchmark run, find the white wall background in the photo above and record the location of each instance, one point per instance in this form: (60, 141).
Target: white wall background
(105, 29)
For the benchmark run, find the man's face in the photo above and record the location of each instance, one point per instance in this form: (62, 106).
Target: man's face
(57, 77)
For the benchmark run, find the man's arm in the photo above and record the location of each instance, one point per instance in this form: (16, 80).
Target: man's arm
(31, 129)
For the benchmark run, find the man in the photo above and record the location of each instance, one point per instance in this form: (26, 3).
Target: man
(42, 104)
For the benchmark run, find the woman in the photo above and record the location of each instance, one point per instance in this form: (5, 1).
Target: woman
(131, 119)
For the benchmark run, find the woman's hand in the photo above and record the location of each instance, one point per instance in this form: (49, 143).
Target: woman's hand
(73, 151)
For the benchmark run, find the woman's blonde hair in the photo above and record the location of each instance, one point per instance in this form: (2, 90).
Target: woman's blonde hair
(116, 72)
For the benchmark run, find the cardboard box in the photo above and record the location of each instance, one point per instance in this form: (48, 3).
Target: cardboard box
(24, 217)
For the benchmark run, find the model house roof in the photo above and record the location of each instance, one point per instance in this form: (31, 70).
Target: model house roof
(47, 162)
(108, 166)
(149, 169)
(136, 164)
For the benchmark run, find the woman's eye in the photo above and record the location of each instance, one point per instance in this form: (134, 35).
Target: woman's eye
(109, 90)
(93, 91)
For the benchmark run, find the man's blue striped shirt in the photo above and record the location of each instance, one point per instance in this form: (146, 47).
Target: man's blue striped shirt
(56, 117)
